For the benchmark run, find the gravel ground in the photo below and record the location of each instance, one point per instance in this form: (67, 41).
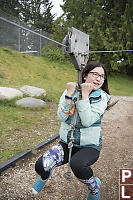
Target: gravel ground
(16, 183)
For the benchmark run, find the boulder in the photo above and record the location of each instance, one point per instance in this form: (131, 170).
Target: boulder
(9, 93)
(32, 91)
(30, 102)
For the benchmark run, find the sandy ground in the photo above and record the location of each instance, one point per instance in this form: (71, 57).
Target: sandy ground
(16, 183)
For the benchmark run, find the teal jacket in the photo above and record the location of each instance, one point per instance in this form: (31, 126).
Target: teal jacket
(87, 131)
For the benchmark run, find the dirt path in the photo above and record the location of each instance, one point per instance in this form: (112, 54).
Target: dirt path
(16, 183)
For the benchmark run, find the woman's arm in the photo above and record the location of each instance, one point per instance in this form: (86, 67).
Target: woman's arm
(65, 106)
(90, 113)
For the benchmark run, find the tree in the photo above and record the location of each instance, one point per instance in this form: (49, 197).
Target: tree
(109, 24)
(127, 37)
(9, 33)
(117, 29)
(37, 13)
(11, 7)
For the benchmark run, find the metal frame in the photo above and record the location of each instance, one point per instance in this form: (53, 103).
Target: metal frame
(76, 43)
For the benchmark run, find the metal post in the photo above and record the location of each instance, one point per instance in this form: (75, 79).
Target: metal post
(19, 42)
(40, 42)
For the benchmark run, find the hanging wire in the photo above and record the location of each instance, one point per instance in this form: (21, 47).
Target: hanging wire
(51, 40)
(110, 51)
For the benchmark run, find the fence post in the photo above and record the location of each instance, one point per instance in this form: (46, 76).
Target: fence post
(40, 42)
(19, 39)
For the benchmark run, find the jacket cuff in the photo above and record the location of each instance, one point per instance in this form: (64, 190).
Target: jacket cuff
(66, 106)
(83, 104)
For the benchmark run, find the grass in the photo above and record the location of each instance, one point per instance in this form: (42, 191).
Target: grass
(22, 128)
(121, 85)
(18, 69)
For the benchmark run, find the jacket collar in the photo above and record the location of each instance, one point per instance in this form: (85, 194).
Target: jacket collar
(95, 93)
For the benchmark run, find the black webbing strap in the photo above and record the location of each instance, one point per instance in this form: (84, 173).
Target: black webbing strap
(67, 175)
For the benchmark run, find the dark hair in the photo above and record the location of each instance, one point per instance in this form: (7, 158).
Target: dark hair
(90, 66)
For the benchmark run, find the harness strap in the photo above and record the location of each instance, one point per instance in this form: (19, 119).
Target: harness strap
(67, 175)
(70, 111)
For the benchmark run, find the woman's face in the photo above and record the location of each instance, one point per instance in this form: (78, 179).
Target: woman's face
(96, 77)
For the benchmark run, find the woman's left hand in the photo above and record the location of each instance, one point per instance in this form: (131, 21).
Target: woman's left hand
(86, 89)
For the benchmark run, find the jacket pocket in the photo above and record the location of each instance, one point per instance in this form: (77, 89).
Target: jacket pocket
(89, 136)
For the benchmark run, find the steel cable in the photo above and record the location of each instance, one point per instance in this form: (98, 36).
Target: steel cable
(51, 40)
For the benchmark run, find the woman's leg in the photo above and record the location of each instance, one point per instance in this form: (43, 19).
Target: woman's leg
(81, 162)
(55, 156)
(50, 159)
(44, 165)
(80, 165)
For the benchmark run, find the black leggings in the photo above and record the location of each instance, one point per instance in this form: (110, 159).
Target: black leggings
(81, 160)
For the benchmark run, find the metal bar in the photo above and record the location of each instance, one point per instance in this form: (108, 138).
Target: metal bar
(54, 137)
(112, 104)
(13, 23)
(29, 52)
(11, 162)
(40, 41)
(19, 40)
(109, 51)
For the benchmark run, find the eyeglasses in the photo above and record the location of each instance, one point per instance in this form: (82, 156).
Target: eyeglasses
(96, 75)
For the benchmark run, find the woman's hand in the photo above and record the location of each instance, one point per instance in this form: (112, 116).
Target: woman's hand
(86, 90)
(71, 86)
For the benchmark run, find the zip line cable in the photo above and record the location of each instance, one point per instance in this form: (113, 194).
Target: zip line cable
(51, 40)
(19, 26)
(111, 51)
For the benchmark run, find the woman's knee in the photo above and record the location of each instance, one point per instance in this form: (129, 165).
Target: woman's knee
(39, 166)
(53, 157)
(40, 169)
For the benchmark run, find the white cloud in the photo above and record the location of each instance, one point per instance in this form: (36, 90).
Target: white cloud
(57, 10)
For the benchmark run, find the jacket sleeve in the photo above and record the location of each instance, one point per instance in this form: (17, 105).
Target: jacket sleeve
(64, 108)
(90, 113)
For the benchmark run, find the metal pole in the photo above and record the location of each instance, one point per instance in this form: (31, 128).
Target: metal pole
(19, 39)
(40, 41)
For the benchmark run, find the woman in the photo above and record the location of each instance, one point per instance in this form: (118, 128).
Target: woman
(87, 141)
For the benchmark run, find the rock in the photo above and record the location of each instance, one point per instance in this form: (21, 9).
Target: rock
(9, 93)
(32, 91)
(30, 102)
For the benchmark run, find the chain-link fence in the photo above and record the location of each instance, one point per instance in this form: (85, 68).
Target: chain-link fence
(17, 35)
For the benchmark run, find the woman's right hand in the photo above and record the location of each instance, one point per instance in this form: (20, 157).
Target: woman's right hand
(71, 86)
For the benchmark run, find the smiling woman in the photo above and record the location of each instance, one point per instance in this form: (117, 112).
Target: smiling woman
(80, 127)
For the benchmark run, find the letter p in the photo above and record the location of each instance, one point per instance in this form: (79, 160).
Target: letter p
(126, 174)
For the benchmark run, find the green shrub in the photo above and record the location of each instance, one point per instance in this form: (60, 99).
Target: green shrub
(54, 53)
